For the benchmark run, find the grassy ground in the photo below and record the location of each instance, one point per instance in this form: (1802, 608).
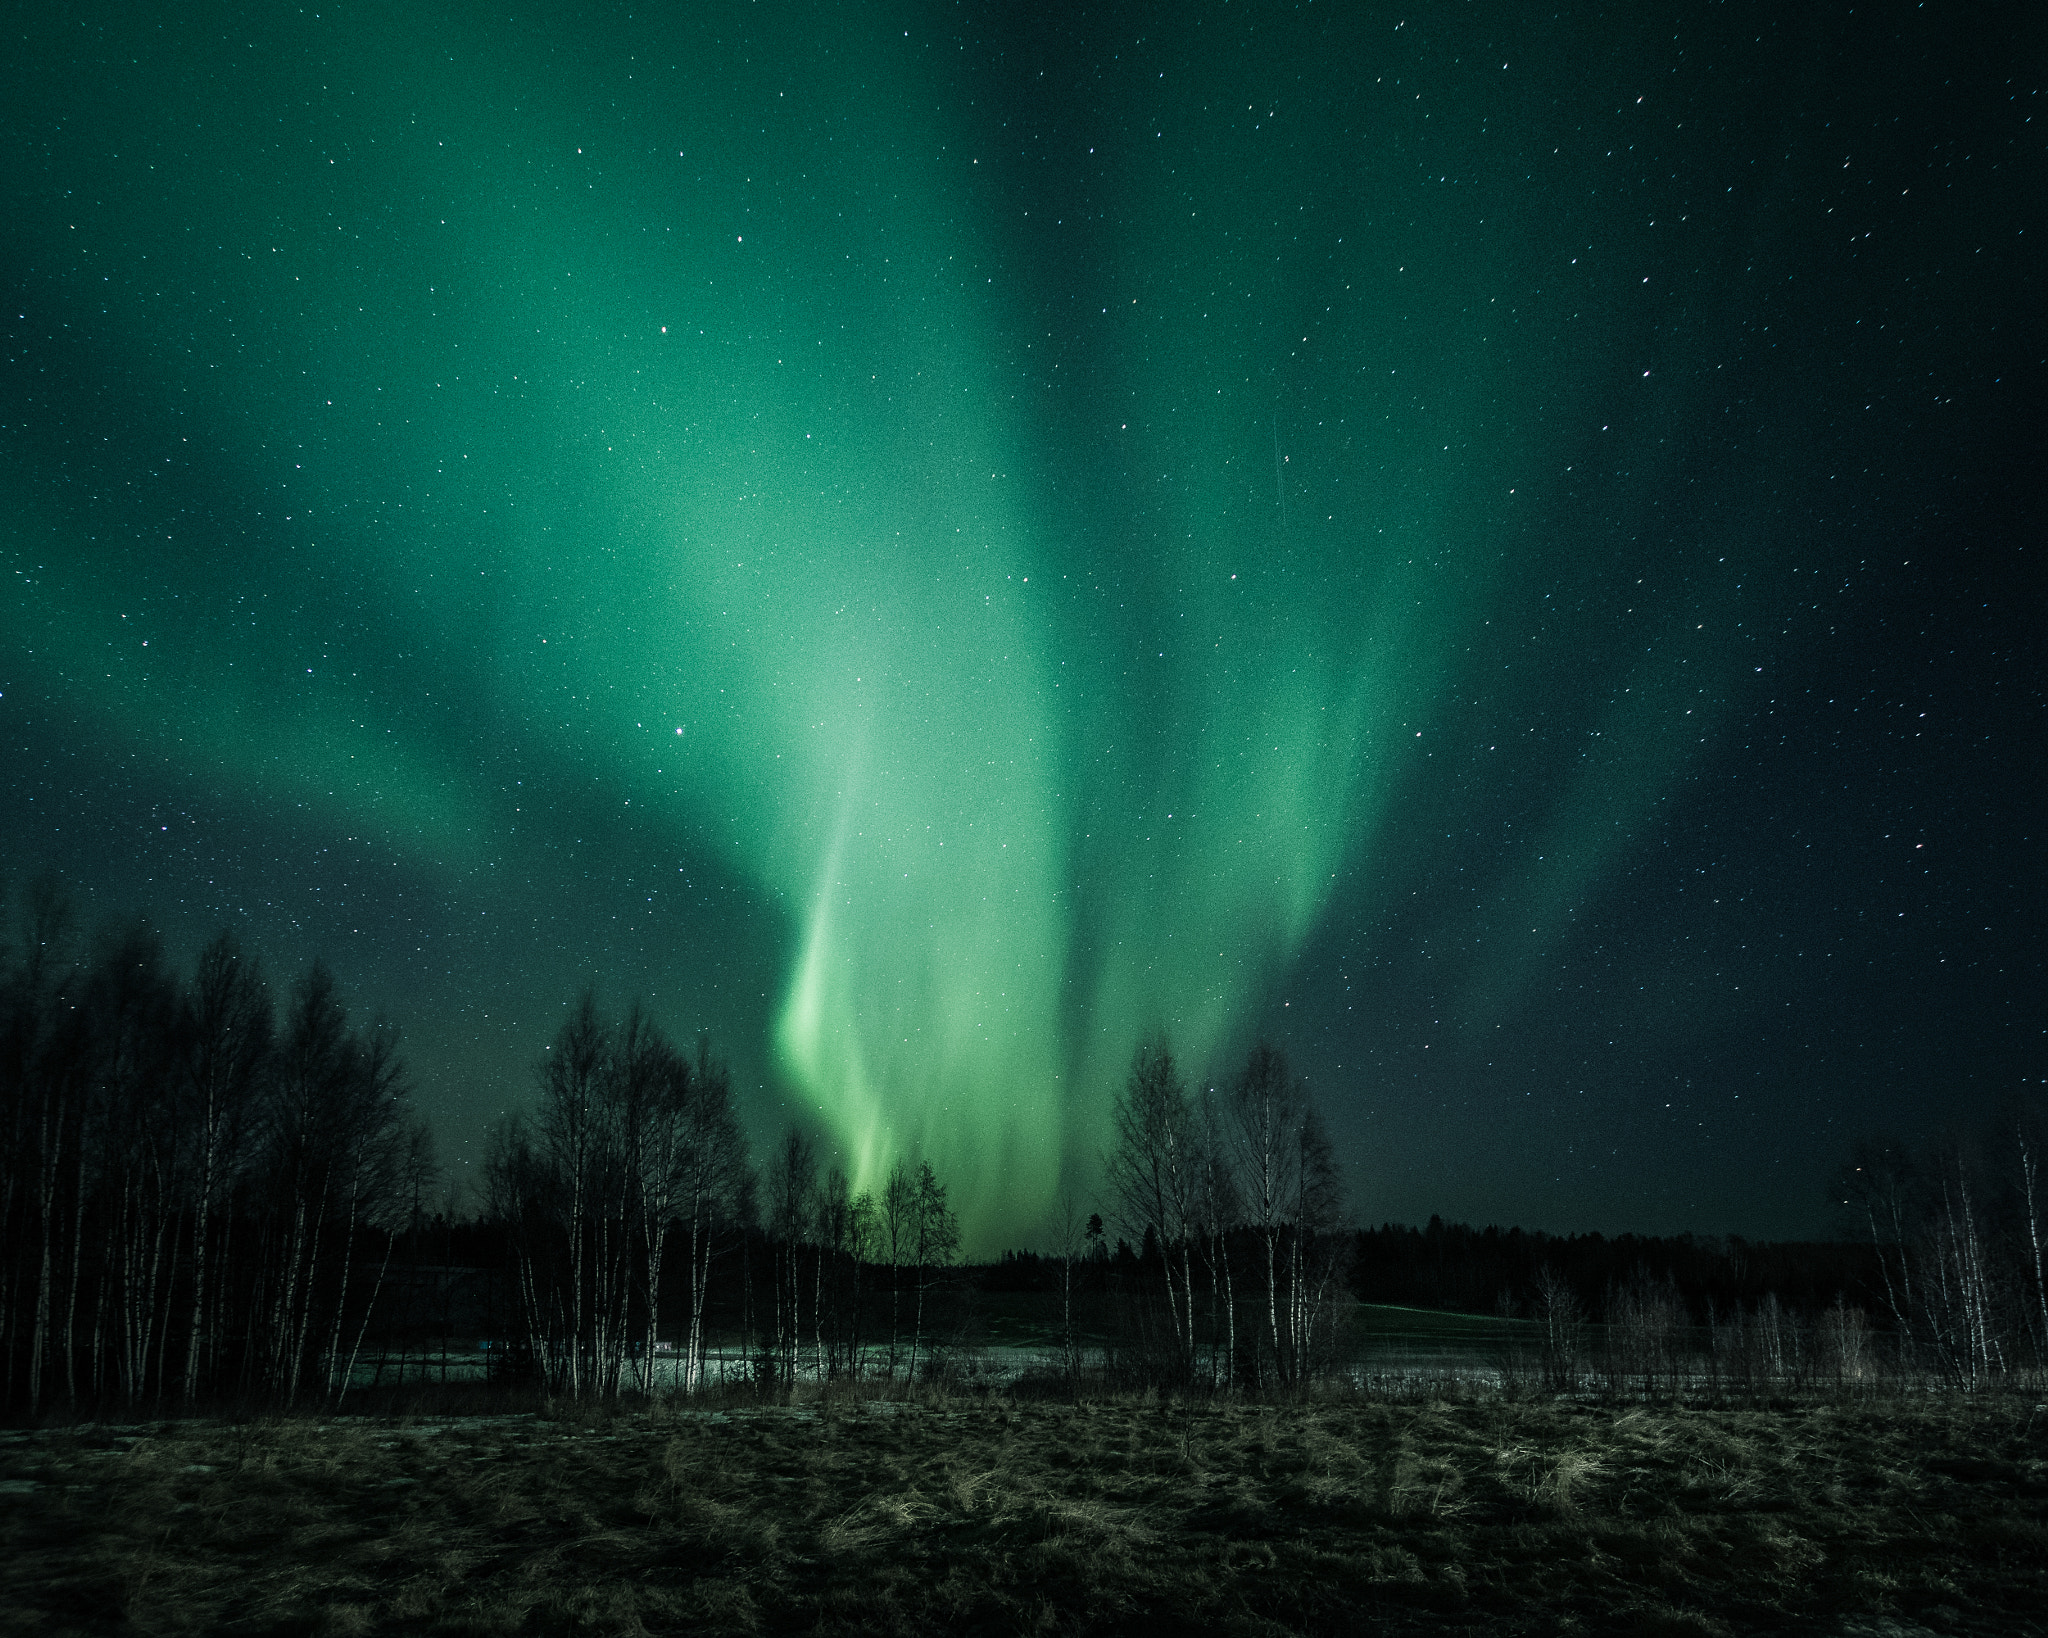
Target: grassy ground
(993, 1516)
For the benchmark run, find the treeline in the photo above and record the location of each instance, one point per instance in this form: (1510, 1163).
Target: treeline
(629, 1194)
(1499, 1271)
(1948, 1282)
(194, 1179)
(204, 1186)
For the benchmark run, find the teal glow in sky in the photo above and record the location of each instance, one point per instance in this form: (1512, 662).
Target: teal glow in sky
(936, 545)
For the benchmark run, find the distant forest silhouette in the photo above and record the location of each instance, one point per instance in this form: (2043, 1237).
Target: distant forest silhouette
(216, 1191)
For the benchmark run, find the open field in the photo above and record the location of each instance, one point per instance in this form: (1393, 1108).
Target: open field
(864, 1516)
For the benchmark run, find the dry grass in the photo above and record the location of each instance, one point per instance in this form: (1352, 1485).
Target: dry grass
(1011, 1517)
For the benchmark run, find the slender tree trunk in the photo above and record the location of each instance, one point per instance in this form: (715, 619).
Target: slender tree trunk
(303, 1332)
(199, 1249)
(1229, 1310)
(348, 1255)
(818, 1311)
(134, 1326)
(163, 1317)
(209, 1361)
(576, 1281)
(39, 1332)
(1273, 1299)
(1905, 1267)
(917, 1330)
(2029, 1176)
(1901, 1316)
(99, 1334)
(287, 1278)
(594, 1309)
(77, 1269)
(349, 1371)
(1070, 1357)
(1215, 1313)
(1297, 1295)
(693, 1346)
(530, 1307)
(747, 1295)
(1172, 1301)
(895, 1291)
(858, 1333)
(700, 1284)
(657, 1237)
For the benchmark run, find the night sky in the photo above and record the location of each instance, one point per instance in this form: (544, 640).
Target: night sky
(1496, 549)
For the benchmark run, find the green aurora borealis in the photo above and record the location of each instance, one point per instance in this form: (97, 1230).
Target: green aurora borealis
(935, 544)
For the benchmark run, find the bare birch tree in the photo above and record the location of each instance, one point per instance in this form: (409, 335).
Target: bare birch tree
(715, 1190)
(1153, 1175)
(1312, 1241)
(2027, 1153)
(1216, 1211)
(1067, 1229)
(898, 1226)
(226, 1041)
(792, 1200)
(1262, 1123)
(935, 1241)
